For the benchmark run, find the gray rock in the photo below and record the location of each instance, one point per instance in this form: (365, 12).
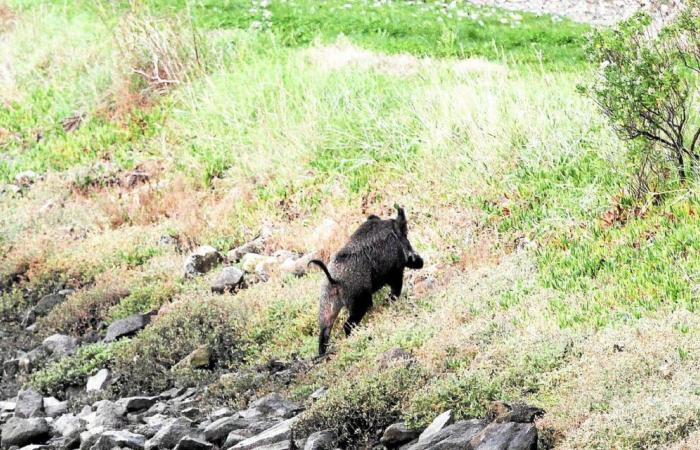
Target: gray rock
(506, 436)
(170, 434)
(132, 404)
(271, 405)
(10, 367)
(257, 245)
(109, 415)
(157, 409)
(67, 425)
(171, 393)
(228, 280)
(280, 432)
(29, 360)
(202, 260)
(453, 437)
(199, 358)
(26, 178)
(60, 344)
(54, 407)
(513, 412)
(436, 425)
(18, 431)
(66, 292)
(394, 358)
(99, 381)
(191, 413)
(42, 308)
(233, 438)
(318, 393)
(7, 406)
(218, 430)
(192, 443)
(127, 326)
(29, 404)
(153, 425)
(124, 439)
(321, 440)
(251, 261)
(398, 434)
(220, 413)
(35, 447)
(89, 437)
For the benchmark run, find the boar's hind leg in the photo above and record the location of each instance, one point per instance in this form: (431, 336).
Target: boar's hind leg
(358, 309)
(328, 313)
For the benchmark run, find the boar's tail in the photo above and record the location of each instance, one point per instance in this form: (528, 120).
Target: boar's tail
(323, 267)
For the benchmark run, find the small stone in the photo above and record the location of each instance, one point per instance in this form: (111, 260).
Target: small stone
(99, 381)
(257, 245)
(7, 406)
(278, 433)
(453, 436)
(218, 430)
(436, 425)
(228, 280)
(170, 434)
(191, 413)
(137, 403)
(54, 407)
(29, 404)
(250, 261)
(29, 360)
(398, 434)
(127, 326)
(171, 393)
(109, 415)
(60, 344)
(202, 260)
(233, 438)
(67, 425)
(123, 438)
(509, 435)
(48, 303)
(26, 178)
(321, 440)
(396, 357)
(271, 405)
(199, 358)
(191, 443)
(89, 437)
(18, 431)
(319, 393)
(10, 367)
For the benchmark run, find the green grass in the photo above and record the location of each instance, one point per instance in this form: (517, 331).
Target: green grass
(422, 29)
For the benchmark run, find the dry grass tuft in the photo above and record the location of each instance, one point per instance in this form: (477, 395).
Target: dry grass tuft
(157, 52)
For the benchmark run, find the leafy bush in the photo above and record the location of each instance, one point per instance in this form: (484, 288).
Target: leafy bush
(354, 408)
(647, 84)
(145, 365)
(73, 370)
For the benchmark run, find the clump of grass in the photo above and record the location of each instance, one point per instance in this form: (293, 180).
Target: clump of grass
(158, 51)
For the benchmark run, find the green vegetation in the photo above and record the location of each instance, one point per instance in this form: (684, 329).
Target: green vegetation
(74, 370)
(549, 279)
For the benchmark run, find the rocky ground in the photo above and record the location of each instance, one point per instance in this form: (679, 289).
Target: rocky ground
(183, 418)
(601, 12)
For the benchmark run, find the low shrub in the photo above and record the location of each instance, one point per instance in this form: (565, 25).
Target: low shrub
(356, 407)
(73, 370)
(145, 365)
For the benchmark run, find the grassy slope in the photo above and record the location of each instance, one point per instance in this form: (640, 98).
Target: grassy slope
(488, 158)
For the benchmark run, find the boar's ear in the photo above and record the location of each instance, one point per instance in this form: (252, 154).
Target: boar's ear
(401, 220)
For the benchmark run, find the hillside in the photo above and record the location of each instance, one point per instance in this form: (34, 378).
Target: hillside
(132, 134)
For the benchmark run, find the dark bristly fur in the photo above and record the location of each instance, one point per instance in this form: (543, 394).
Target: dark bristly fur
(374, 256)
